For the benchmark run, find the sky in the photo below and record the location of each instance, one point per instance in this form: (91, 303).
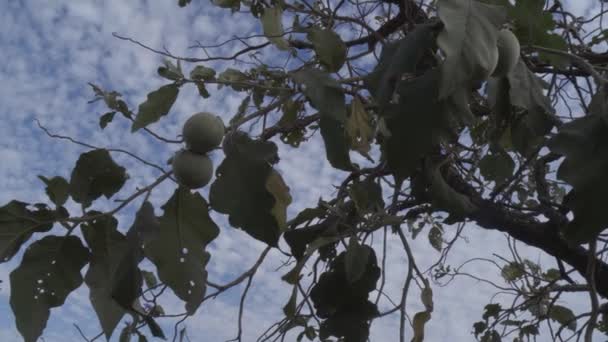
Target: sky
(52, 49)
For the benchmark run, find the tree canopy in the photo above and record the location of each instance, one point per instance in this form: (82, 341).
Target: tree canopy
(429, 136)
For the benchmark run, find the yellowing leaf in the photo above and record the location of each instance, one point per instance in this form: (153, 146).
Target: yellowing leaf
(277, 187)
(420, 320)
(273, 27)
(359, 128)
(329, 47)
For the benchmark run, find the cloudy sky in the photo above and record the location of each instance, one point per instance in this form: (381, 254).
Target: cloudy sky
(52, 49)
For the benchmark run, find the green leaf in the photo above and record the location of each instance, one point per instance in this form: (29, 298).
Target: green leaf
(171, 71)
(48, 273)
(491, 336)
(125, 334)
(105, 119)
(479, 327)
(426, 296)
(17, 224)
(497, 166)
(94, 175)
(202, 73)
(526, 91)
(273, 27)
(552, 274)
(491, 310)
(355, 260)
(436, 238)
(512, 271)
(290, 308)
(232, 4)
(398, 59)
(563, 316)
(367, 196)
(329, 47)
(183, 3)
(57, 188)
(336, 143)
(178, 251)
(249, 203)
(327, 96)
(149, 278)
(324, 93)
(468, 40)
(234, 78)
(157, 105)
(414, 132)
(155, 329)
(420, 320)
(584, 143)
(534, 26)
(107, 249)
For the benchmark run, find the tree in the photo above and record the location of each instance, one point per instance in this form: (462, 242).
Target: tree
(405, 89)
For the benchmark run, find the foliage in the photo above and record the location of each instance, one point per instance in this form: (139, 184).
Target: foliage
(444, 145)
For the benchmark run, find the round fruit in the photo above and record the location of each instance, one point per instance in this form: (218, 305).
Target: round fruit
(203, 132)
(191, 169)
(508, 53)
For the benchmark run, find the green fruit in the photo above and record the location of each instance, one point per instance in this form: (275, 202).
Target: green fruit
(508, 53)
(191, 169)
(203, 132)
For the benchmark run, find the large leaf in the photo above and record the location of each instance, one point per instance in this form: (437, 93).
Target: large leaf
(327, 96)
(94, 175)
(107, 249)
(324, 93)
(273, 27)
(535, 26)
(17, 224)
(355, 260)
(57, 188)
(584, 143)
(398, 59)
(241, 188)
(48, 273)
(157, 105)
(329, 47)
(468, 40)
(415, 124)
(563, 316)
(336, 142)
(526, 91)
(179, 250)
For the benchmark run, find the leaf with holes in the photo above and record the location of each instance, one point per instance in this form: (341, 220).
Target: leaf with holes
(250, 202)
(48, 273)
(17, 224)
(359, 128)
(94, 175)
(179, 250)
(157, 105)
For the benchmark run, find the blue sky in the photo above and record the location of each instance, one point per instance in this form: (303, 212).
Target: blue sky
(51, 49)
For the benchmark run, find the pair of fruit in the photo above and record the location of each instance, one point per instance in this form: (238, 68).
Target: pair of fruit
(202, 133)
